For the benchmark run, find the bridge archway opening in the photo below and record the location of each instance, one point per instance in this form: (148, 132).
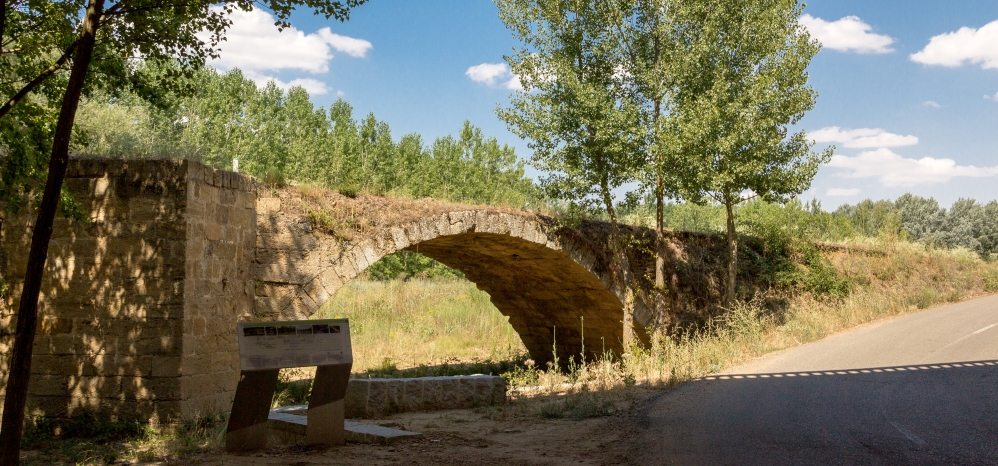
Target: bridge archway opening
(553, 282)
(555, 305)
(408, 310)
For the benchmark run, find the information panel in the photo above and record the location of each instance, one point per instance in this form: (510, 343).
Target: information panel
(295, 343)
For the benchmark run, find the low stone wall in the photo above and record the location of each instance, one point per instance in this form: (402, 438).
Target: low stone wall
(370, 398)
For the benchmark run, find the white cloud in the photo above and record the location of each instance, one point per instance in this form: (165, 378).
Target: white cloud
(487, 73)
(965, 46)
(861, 138)
(847, 34)
(993, 98)
(893, 170)
(494, 74)
(514, 83)
(842, 192)
(932, 104)
(255, 46)
(313, 86)
(352, 46)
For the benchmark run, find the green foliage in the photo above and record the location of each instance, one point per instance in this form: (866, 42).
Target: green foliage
(991, 282)
(966, 223)
(41, 430)
(281, 136)
(404, 265)
(744, 85)
(579, 128)
(293, 387)
(789, 257)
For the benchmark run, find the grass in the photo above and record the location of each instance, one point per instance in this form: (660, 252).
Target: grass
(89, 439)
(905, 278)
(443, 325)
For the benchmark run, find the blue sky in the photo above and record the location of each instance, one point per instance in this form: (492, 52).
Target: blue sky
(908, 90)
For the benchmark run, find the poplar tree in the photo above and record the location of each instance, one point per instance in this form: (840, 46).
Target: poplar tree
(582, 132)
(743, 83)
(571, 112)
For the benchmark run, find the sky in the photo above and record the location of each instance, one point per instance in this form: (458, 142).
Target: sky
(907, 89)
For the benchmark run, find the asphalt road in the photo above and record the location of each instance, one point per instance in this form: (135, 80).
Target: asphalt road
(918, 389)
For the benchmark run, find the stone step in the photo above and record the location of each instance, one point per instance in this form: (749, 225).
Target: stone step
(288, 423)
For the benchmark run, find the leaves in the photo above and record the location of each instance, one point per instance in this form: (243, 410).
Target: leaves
(276, 133)
(572, 114)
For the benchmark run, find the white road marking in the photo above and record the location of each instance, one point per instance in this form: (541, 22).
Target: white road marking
(908, 434)
(985, 329)
(980, 330)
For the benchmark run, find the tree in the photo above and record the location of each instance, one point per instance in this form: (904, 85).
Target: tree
(649, 34)
(963, 225)
(988, 231)
(921, 218)
(872, 218)
(150, 29)
(742, 82)
(580, 129)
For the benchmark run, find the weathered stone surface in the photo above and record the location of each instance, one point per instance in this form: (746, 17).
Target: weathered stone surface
(288, 423)
(139, 305)
(550, 281)
(370, 398)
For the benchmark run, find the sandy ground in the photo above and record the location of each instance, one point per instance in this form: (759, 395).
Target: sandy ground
(513, 434)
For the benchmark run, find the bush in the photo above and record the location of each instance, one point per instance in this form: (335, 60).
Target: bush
(404, 265)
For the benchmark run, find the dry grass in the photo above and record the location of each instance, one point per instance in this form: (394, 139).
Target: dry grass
(400, 324)
(904, 277)
(349, 214)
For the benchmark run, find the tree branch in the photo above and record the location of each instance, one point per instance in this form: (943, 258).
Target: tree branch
(3, 21)
(28, 88)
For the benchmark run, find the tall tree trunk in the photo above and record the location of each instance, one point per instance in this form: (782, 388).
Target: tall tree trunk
(3, 22)
(659, 206)
(27, 311)
(732, 240)
(620, 266)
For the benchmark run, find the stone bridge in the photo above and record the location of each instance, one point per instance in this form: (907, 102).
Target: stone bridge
(141, 295)
(552, 282)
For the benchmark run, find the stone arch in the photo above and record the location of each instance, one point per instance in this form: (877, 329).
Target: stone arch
(551, 282)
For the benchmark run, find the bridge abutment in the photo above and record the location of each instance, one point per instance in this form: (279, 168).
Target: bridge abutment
(141, 294)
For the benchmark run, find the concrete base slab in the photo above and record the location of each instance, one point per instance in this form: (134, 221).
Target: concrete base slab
(287, 425)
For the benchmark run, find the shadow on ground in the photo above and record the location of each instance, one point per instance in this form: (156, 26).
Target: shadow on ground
(915, 414)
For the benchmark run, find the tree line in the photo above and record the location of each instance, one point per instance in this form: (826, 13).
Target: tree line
(967, 224)
(279, 135)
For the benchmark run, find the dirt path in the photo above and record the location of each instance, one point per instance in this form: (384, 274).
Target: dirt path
(490, 436)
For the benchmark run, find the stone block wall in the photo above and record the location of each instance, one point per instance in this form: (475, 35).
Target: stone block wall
(218, 290)
(371, 398)
(130, 289)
